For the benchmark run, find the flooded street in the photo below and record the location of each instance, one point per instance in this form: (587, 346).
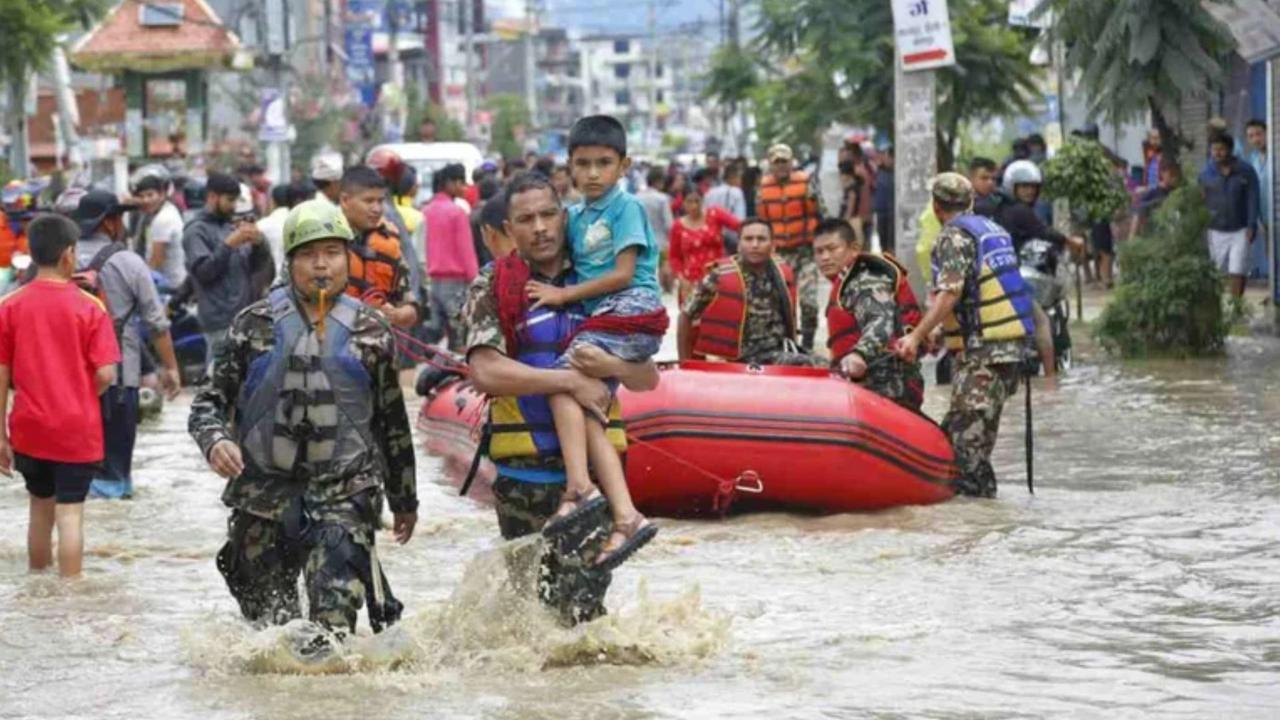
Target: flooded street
(1141, 580)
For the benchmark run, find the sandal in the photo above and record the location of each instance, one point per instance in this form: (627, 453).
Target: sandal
(635, 534)
(576, 517)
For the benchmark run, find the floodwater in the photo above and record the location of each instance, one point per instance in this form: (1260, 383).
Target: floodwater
(1141, 580)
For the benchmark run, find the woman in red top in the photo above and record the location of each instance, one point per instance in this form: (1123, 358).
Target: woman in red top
(697, 239)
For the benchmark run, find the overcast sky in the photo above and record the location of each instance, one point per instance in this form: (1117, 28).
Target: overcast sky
(604, 15)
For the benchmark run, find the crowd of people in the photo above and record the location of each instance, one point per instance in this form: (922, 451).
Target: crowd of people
(544, 284)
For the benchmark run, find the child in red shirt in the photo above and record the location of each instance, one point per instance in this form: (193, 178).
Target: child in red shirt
(58, 350)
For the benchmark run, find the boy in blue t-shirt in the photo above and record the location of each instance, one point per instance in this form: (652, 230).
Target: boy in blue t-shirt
(615, 258)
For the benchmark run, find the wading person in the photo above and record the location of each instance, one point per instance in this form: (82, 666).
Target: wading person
(871, 307)
(790, 201)
(451, 255)
(744, 310)
(58, 351)
(223, 249)
(123, 282)
(984, 309)
(378, 273)
(512, 353)
(615, 259)
(305, 418)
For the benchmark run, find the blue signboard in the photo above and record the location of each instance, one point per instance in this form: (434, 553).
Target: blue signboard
(357, 36)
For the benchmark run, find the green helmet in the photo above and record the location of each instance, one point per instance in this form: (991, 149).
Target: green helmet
(315, 220)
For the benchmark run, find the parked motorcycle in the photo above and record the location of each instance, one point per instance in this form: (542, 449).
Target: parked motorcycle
(1039, 269)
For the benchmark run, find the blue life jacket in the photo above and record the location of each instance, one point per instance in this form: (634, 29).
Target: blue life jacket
(996, 304)
(326, 379)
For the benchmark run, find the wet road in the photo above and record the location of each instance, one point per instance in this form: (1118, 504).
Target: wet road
(1142, 580)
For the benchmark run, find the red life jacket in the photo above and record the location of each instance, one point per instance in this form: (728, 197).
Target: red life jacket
(842, 326)
(719, 331)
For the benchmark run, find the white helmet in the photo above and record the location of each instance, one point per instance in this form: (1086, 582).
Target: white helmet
(153, 170)
(1021, 172)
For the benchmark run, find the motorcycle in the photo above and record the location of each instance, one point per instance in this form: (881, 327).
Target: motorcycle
(184, 328)
(1039, 269)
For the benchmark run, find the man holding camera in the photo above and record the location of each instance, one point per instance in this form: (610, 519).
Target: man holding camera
(227, 258)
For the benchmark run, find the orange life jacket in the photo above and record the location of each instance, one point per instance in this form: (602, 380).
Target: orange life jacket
(842, 325)
(791, 212)
(721, 327)
(375, 263)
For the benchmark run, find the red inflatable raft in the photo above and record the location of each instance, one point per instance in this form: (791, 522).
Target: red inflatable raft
(719, 437)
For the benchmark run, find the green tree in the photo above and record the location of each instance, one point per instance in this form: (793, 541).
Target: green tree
(421, 109)
(826, 61)
(1169, 300)
(30, 30)
(509, 113)
(1136, 56)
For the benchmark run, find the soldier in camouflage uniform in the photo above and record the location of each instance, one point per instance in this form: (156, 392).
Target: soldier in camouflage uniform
(305, 418)
(868, 311)
(766, 333)
(529, 485)
(989, 363)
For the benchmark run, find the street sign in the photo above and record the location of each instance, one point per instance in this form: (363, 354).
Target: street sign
(357, 38)
(274, 126)
(1254, 25)
(923, 32)
(1022, 14)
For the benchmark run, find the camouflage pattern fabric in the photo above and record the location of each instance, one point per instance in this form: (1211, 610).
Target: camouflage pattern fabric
(332, 549)
(978, 393)
(955, 255)
(870, 297)
(251, 335)
(764, 334)
(566, 583)
(806, 269)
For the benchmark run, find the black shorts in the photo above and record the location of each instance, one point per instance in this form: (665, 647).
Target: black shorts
(69, 482)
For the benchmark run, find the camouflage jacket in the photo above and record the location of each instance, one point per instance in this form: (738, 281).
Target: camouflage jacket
(955, 258)
(213, 411)
(869, 297)
(764, 331)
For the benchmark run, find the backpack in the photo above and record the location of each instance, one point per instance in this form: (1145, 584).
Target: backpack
(89, 279)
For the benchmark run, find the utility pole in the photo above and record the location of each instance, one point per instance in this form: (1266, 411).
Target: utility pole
(530, 61)
(652, 57)
(19, 151)
(276, 44)
(469, 27)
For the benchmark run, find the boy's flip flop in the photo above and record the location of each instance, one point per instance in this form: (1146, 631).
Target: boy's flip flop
(569, 530)
(637, 533)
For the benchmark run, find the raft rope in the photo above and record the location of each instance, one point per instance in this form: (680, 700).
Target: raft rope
(427, 354)
(726, 489)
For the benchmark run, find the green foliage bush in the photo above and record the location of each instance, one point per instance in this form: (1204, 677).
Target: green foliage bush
(1169, 299)
(1081, 174)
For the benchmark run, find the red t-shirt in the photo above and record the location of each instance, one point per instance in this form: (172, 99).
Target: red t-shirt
(53, 337)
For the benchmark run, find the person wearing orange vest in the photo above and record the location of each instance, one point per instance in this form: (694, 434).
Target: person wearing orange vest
(871, 306)
(378, 274)
(790, 201)
(744, 310)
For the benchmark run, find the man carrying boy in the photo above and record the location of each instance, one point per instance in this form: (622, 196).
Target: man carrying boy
(49, 328)
(615, 258)
(512, 358)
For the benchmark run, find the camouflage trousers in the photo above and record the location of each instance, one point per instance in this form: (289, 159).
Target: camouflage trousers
(806, 269)
(566, 582)
(978, 393)
(898, 381)
(791, 358)
(333, 549)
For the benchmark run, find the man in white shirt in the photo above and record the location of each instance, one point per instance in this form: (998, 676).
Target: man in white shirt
(162, 225)
(283, 198)
(657, 205)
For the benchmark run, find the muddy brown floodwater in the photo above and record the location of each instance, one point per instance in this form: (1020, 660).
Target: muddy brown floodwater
(1142, 580)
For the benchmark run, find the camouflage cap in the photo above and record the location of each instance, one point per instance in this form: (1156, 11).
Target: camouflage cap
(951, 188)
(315, 220)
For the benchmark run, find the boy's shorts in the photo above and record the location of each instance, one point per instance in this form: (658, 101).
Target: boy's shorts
(68, 482)
(632, 347)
